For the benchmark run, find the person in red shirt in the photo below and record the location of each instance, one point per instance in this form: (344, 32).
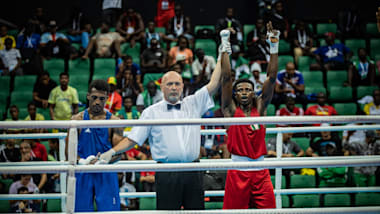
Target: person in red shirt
(289, 110)
(114, 100)
(321, 109)
(38, 150)
(165, 11)
(251, 188)
(134, 154)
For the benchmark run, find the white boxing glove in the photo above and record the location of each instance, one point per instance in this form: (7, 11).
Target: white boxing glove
(87, 160)
(106, 157)
(273, 39)
(225, 38)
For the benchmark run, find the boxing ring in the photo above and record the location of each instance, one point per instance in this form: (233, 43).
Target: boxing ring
(67, 168)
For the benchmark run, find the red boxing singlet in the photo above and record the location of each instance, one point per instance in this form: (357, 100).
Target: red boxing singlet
(247, 140)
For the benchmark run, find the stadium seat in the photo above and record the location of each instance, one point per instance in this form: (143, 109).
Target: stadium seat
(147, 204)
(54, 67)
(300, 201)
(5, 82)
(79, 66)
(5, 207)
(104, 66)
(303, 142)
(7, 183)
(201, 27)
(337, 200)
(336, 78)
(367, 199)
(151, 76)
(285, 201)
(362, 91)
(80, 81)
(313, 79)
(304, 63)
(160, 30)
(45, 112)
(314, 90)
(355, 44)
(374, 45)
(325, 27)
(208, 45)
(271, 110)
(21, 98)
(302, 181)
(82, 96)
(345, 108)
(133, 52)
(53, 205)
(213, 205)
(371, 29)
(283, 60)
(284, 47)
(46, 144)
(24, 83)
(340, 94)
(283, 181)
(246, 30)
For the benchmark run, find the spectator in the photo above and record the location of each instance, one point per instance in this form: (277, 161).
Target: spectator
(289, 147)
(332, 56)
(257, 78)
(4, 35)
(25, 181)
(154, 58)
(33, 115)
(239, 63)
(11, 59)
(24, 206)
(320, 148)
(127, 112)
(63, 100)
(180, 25)
(279, 19)
(149, 97)
(53, 150)
(254, 35)
(259, 52)
(165, 11)
(230, 22)
(181, 50)
(373, 108)
(104, 43)
(349, 22)
(365, 175)
(14, 112)
(111, 10)
(39, 20)
(38, 150)
(289, 110)
(55, 44)
(134, 154)
(302, 40)
(127, 86)
(28, 43)
(289, 83)
(114, 100)
(362, 71)
(147, 179)
(131, 27)
(128, 64)
(350, 137)
(42, 88)
(125, 185)
(321, 109)
(10, 153)
(152, 34)
(203, 64)
(79, 29)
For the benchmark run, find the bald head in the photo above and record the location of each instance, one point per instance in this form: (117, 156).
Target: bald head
(290, 68)
(172, 86)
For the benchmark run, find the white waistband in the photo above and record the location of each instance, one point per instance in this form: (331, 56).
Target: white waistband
(238, 158)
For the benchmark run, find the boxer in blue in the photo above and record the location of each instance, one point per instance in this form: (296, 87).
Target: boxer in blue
(101, 187)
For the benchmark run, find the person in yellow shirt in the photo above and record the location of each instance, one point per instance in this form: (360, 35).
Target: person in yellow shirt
(63, 100)
(4, 35)
(33, 115)
(373, 108)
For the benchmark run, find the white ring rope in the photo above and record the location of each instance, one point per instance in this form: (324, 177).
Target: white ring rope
(203, 121)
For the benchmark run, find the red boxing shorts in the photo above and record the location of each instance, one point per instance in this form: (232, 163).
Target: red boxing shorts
(248, 189)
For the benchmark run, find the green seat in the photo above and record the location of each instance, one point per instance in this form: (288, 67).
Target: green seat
(271, 110)
(362, 91)
(284, 47)
(355, 44)
(160, 30)
(46, 144)
(300, 201)
(285, 201)
(3, 98)
(5, 207)
(104, 66)
(201, 27)
(336, 78)
(303, 142)
(367, 199)
(13, 32)
(313, 79)
(322, 42)
(345, 108)
(82, 96)
(133, 52)
(374, 45)
(208, 45)
(80, 82)
(53, 205)
(246, 30)
(337, 200)
(151, 76)
(147, 204)
(340, 94)
(304, 63)
(213, 205)
(371, 29)
(24, 83)
(79, 66)
(283, 181)
(314, 90)
(283, 60)
(302, 181)
(7, 183)
(326, 27)
(5, 82)
(45, 112)
(21, 98)
(54, 67)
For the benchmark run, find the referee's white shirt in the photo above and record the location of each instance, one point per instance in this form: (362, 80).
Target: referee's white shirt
(173, 144)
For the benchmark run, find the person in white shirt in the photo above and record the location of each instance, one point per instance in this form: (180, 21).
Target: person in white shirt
(11, 59)
(203, 63)
(148, 97)
(176, 144)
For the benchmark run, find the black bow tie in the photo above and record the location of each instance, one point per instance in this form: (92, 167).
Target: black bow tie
(176, 106)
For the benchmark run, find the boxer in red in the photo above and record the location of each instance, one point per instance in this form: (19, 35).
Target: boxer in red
(251, 188)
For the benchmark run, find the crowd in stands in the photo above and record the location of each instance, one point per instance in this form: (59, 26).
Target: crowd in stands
(325, 69)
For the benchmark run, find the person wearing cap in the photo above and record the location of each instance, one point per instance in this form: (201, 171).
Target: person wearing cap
(373, 108)
(319, 147)
(54, 43)
(332, 56)
(114, 101)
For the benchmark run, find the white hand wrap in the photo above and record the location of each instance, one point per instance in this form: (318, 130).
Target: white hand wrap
(273, 39)
(87, 160)
(106, 157)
